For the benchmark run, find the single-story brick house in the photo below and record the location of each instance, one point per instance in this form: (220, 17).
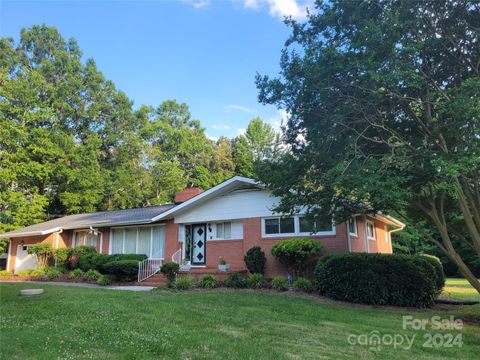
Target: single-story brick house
(224, 221)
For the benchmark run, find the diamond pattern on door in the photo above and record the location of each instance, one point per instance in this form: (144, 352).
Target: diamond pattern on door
(198, 244)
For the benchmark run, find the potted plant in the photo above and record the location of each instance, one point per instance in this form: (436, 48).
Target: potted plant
(185, 265)
(222, 265)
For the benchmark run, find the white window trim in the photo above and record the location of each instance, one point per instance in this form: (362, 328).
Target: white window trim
(136, 240)
(355, 234)
(296, 224)
(374, 232)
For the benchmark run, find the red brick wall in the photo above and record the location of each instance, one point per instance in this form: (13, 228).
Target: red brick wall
(230, 250)
(252, 235)
(171, 240)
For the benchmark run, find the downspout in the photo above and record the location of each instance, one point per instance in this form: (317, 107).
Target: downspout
(349, 238)
(390, 235)
(9, 254)
(367, 250)
(56, 244)
(101, 237)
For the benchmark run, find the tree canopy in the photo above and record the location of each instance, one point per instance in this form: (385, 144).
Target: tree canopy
(384, 106)
(71, 142)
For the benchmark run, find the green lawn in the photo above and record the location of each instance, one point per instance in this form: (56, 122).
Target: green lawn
(460, 289)
(79, 323)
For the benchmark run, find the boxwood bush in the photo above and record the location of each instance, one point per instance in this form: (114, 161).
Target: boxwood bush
(255, 260)
(379, 279)
(123, 270)
(170, 271)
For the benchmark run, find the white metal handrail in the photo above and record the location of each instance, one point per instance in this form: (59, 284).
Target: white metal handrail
(147, 268)
(177, 256)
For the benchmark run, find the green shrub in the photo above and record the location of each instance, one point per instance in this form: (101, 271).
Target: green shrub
(302, 284)
(37, 273)
(170, 270)
(52, 273)
(79, 252)
(437, 264)
(378, 279)
(184, 283)
(256, 281)
(5, 273)
(83, 250)
(77, 273)
(123, 270)
(121, 257)
(103, 280)
(255, 260)
(280, 283)
(92, 275)
(295, 253)
(25, 272)
(236, 280)
(63, 257)
(94, 261)
(43, 252)
(208, 281)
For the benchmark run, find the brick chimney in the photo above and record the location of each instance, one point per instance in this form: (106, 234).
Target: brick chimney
(187, 194)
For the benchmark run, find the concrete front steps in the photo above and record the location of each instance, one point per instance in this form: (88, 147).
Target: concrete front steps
(159, 279)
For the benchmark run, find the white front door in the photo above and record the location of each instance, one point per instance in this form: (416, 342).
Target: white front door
(24, 260)
(199, 236)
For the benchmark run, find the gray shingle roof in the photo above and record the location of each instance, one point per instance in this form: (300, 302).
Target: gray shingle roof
(98, 219)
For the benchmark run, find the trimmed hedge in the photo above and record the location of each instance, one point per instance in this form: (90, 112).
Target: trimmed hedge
(96, 261)
(123, 270)
(378, 279)
(437, 264)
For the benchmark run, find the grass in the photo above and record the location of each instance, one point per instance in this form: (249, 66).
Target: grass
(460, 289)
(81, 323)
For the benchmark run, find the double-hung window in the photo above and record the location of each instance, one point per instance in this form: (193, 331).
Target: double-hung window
(85, 238)
(224, 230)
(352, 226)
(370, 230)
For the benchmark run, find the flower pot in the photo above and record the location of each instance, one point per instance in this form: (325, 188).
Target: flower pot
(185, 267)
(223, 268)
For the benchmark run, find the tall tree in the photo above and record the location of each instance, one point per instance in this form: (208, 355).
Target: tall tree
(385, 107)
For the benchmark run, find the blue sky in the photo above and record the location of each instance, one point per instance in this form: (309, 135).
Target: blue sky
(204, 53)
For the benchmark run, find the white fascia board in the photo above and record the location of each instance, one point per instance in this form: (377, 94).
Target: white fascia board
(30, 233)
(206, 194)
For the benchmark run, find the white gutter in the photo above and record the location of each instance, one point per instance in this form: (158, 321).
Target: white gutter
(9, 254)
(101, 237)
(366, 234)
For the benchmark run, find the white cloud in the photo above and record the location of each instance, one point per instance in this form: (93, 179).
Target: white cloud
(297, 9)
(239, 108)
(197, 4)
(279, 120)
(213, 138)
(241, 131)
(221, 126)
